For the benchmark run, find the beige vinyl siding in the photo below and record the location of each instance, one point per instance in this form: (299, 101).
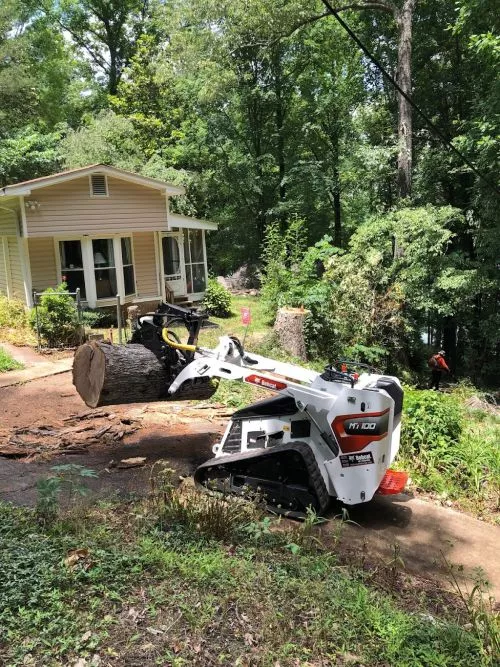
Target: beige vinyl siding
(43, 263)
(68, 209)
(8, 223)
(16, 269)
(145, 264)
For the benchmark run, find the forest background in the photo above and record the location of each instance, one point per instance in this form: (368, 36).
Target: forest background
(318, 172)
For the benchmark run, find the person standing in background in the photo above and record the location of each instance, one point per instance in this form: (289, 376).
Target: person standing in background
(437, 364)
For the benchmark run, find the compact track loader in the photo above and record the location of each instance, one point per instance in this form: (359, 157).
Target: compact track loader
(326, 435)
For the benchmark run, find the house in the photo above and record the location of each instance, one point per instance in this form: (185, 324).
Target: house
(104, 230)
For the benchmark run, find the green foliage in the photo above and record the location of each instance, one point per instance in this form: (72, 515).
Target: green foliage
(101, 318)
(7, 363)
(289, 126)
(106, 139)
(57, 317)
(217, 299)
(282, 255)
(13, 313)
(451, 450)
(29, 153)
(431, 420)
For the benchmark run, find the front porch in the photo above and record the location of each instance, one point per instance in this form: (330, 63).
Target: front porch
(141, 267)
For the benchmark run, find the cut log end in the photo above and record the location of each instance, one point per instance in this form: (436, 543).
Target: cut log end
(89, 366)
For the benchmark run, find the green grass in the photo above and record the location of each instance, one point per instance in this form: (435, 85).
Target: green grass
(142, 595)
(8, 363)
(257, 331)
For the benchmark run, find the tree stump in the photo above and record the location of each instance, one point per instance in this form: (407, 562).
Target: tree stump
(112, 374)
(289, 326)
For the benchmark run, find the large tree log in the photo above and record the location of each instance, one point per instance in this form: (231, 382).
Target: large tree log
(112, 374)
(289, 326)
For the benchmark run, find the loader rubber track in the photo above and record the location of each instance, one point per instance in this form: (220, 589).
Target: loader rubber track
(287, 476)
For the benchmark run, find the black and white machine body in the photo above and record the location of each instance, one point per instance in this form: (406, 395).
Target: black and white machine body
(325, 435)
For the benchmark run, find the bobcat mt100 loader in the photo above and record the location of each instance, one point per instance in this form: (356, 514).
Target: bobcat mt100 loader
(326, 435)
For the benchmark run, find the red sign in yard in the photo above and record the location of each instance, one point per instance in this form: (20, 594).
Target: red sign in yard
(246, 318)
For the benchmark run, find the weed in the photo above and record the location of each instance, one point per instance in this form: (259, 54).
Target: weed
(69, 478)
(478, 605)
(7, 363)
(258, 529)
(303, 536)
(213, 515)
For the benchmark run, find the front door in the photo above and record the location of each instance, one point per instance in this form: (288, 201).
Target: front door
(173, 267)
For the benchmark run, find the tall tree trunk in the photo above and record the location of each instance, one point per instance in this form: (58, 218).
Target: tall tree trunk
(404, 21)
(280, 123)
(337, 229)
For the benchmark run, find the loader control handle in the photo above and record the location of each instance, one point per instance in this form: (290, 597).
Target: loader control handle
(331, 374)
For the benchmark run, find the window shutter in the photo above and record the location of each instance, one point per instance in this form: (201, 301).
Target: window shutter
(99, 187)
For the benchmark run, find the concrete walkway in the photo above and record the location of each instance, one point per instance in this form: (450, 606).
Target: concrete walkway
(426, 535)
(36, 366)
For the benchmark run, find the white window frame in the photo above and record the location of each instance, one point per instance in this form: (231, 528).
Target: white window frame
(89, 267)
(92, 195)
(134, 293)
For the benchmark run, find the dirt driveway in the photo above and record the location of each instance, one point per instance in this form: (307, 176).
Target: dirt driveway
(46, 423)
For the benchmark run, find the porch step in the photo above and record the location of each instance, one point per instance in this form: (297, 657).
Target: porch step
(183, 301)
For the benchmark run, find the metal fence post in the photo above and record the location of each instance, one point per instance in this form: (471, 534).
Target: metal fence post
(79, 312)
(35, 303)
(119, 318)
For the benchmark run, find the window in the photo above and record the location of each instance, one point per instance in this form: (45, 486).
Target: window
(101, 268)
(98, 185)
(104, 268)
(128, 266)
(195, 261)
(72, 266)
(171, 258)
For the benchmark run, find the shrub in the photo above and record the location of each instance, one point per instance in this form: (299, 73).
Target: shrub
(12, 313)
(217, 301)
(57, 317)
(430, 420)
(103, 318)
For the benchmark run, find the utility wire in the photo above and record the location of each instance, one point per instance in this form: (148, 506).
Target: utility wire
(430, 123)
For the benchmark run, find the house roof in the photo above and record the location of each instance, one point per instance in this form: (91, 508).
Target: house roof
(26, 187)
(182, 221)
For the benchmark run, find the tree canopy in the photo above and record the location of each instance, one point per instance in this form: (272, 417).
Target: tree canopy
(269, 112)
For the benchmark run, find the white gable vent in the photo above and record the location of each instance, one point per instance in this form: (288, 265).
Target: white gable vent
(98, 185)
